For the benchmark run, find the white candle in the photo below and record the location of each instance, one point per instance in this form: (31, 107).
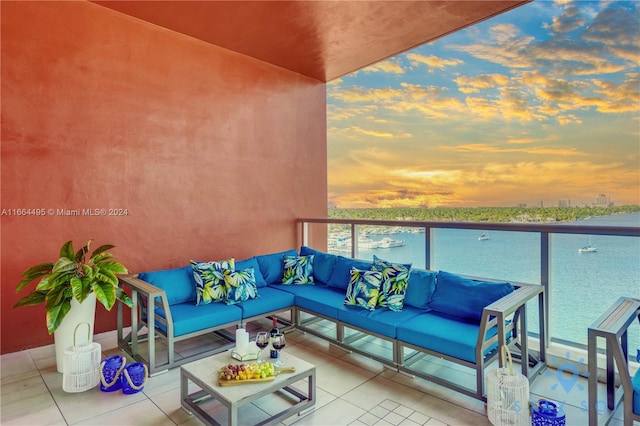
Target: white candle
(242, 341)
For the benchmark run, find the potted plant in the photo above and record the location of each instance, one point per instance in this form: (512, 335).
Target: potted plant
(73, 279)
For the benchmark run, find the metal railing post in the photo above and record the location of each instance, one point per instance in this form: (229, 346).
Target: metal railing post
(545, 260)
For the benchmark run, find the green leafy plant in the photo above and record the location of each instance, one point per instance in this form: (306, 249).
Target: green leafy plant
(72, 276)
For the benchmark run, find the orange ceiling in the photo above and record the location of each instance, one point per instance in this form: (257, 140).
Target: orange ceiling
(320, 39)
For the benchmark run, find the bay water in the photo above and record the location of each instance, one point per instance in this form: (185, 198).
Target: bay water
(582, 285)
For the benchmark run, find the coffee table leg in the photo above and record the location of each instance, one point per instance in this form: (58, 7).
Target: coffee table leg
(233, 415)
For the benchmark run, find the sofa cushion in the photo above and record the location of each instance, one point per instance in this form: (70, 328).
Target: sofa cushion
(178, 283)
(323, 264)
(464, 297)
(341, 273)
(445, 334)
(271, 299)
(241, 286)
(322, 300)
(420, 289)
(209, 277)
(395, 279)
(189, 318)
(297, 270)
(380, 321)
(635, 383)
(364, 289)
(271, 265)
(252, 262)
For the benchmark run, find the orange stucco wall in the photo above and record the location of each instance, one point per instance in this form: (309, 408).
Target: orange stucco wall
(212, 154)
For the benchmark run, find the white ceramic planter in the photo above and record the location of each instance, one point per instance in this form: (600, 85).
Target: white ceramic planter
(84, 312)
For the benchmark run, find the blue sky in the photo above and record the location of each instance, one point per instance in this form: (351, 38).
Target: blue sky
(541, 103)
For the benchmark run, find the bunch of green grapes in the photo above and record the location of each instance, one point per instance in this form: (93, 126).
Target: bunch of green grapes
(255, 370)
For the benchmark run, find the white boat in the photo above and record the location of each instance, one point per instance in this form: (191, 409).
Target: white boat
(589, 248)
(390, 243)
(365, 242)
(483, 237)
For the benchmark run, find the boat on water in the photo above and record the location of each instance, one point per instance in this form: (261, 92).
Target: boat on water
(365, 242)
(390, 243)
(483, 237)
(589, 248)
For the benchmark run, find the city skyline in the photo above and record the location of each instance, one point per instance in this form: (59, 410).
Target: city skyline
(541, 103)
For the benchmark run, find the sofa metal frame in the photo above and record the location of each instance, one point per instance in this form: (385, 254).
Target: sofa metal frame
(505, 314)
(612, 326)
(143, 295)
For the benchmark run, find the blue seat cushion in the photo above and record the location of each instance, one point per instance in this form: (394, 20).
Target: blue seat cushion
(177, 283)
(252, 262)
(271, 299)
(323, 263)
(272, 265)
(341, 273)
(323, 300)
(420, 290)
(464, 297)
(635, 383)
(445, 334)
(188, 318)
(380, 321)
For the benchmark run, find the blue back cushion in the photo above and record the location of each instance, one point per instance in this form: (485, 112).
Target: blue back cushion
(252, 262)
(420, 290)
(178, 283)
(464, 297)
(272, 265)
(323, 263)
(341, 273)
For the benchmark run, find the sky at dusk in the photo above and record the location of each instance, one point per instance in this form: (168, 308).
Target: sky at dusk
(541, 103)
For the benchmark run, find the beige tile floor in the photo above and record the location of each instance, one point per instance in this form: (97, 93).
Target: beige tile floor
(352, 390)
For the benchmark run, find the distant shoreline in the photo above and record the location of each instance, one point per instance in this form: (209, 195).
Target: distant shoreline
(484, 214)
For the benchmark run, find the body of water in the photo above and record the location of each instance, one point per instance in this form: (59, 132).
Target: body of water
(583, 285)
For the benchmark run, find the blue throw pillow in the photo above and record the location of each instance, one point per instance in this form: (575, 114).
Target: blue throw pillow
(271, 265)
(323, 264)
(363, 289)
(464, 297)
(298, 270)
(252, 262)
(178, 283)
(420, 290)
(341, 273)
(209, 277)
(241, 286)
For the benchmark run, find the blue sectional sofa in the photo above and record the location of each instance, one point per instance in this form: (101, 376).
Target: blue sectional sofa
(393, 313)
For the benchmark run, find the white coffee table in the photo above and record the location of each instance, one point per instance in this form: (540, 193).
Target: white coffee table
(204, 374)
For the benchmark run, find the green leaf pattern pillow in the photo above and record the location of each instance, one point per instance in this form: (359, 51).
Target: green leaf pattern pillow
(210, 282)
(241, 286)
(298, 270)
(395, 279)
(363, 289)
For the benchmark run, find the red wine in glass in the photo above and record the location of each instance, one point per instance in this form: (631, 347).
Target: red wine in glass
(278, 344)
(262, 341)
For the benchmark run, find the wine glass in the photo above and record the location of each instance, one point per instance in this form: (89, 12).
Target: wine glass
(262, 341)
(278, 344)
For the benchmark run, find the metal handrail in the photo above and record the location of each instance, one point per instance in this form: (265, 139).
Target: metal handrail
(544, 229)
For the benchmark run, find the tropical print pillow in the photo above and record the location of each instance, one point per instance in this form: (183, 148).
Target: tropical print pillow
(395, 279)
(241, 286)
(363, 288)
(298, 270)
(209, 277)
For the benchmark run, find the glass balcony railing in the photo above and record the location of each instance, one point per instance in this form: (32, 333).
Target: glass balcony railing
(580, 282)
